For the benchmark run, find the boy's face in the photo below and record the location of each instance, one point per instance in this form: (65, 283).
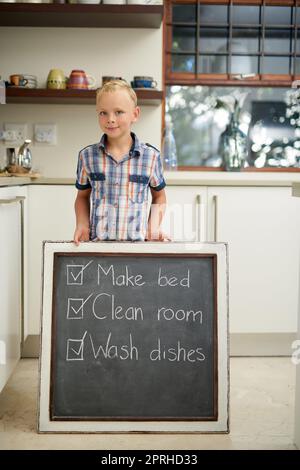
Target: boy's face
(116, 113)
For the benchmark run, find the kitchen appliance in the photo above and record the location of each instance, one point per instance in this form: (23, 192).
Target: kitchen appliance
(11, 156)
(24, 157)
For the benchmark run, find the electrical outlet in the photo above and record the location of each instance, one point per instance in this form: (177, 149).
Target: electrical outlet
(45, 134)
(15, 133)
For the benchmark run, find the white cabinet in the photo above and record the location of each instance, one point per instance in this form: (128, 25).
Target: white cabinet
(297, 388)
(186, 214)
(11, 256)
(51, 216)
(262, 228)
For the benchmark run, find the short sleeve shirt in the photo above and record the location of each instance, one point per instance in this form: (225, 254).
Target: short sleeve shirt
(119, 189)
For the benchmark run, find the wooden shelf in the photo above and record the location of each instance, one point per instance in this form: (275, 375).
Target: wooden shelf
(45, 96)
(81, 15)
(237, 83)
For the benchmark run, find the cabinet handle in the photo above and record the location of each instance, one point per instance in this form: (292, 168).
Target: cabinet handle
(215, 201)
(13, 200)
(198, 204)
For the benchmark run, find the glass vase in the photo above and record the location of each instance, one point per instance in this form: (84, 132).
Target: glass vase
(233, 147)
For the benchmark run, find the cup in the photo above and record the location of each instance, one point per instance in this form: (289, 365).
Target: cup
(56, 80)
(18, 80)
(107, 78)
(79, 80)
(143, 82)
(32, 81)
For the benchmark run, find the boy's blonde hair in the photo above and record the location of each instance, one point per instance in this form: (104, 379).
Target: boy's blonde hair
(114, 85)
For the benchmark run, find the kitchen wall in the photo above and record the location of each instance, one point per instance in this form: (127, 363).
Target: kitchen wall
(111, 51)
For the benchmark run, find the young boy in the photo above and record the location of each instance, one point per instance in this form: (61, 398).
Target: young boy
(114, 176)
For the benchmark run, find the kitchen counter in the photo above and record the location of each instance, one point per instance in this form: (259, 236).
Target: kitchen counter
(25, 180)
(186, 178)
(223, 178)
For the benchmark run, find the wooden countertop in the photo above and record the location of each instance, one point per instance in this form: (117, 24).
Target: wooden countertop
(185, 178)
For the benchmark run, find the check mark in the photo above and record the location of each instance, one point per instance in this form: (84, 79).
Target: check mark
(75, 308)
(75, 273)
(75, 349)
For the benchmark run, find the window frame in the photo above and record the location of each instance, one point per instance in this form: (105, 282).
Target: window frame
(189, 79)
(226, 79)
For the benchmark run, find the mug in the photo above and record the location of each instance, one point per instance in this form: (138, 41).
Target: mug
(56, 80)
(79, 80)
(32, 81)
(143, 82)
(18, 80)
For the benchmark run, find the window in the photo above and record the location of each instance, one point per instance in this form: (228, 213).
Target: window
(232, 39)
(217, 48)
(268, 117)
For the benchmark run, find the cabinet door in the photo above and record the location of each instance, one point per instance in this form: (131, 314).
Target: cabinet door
(51, 216)
(185, 217)
(262, 228)
(10, 282)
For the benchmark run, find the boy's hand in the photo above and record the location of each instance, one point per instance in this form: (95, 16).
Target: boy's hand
(157, 237)
(82, 234)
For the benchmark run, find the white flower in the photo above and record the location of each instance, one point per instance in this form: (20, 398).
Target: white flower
(240, 97)
(232, 103)
(227, 101)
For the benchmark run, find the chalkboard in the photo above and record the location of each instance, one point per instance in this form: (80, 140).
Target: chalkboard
(134, 336)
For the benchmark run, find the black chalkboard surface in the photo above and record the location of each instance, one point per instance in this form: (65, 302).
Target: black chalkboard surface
(134, 337)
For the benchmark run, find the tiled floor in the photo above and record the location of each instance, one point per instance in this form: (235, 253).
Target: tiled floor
(261, 414)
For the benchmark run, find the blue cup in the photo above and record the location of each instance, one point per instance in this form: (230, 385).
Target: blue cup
(143, 82)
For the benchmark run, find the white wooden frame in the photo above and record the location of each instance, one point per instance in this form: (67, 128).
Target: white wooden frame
(222, 423)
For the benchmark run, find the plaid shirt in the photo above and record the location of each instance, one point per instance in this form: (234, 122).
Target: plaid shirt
(119, 196)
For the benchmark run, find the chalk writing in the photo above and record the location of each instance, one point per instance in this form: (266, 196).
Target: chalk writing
(75, 273)
(75, 349)
(144, 339)
(108, 349)
(75, 308)
(116, 312)
(106, 307)
(120, 280)
(178, 353)
(173, 281)
(180, 315)
(112, 351)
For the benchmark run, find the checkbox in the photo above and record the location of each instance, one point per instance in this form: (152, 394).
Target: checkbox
(75, 308)
(75, 273)
(75, 349)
